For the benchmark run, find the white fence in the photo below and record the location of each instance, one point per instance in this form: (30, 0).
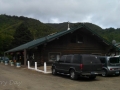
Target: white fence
(36, 69)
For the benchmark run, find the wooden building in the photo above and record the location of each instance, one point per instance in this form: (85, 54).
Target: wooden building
(78, 40)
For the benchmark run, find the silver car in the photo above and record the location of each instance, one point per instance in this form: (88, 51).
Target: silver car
(111, 65)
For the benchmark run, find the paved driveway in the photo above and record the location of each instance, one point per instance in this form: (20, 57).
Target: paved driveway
(12, 78)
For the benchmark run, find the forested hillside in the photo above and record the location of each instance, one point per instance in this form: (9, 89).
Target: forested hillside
(108, 33)
(11, 27)
(9, 24)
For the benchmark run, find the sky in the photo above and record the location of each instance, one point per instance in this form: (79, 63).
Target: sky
(104, 13)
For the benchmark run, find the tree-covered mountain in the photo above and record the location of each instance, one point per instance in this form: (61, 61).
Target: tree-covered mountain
(9, 25)
(108, 33)
(21, 36)
(64, 25)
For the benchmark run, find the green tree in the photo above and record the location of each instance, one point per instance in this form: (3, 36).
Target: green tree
(22, 35)
(5, 41)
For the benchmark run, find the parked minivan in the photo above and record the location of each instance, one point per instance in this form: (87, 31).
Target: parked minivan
(111, 65)
(78, 65)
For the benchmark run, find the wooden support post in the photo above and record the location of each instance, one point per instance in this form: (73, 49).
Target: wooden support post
(25, 59)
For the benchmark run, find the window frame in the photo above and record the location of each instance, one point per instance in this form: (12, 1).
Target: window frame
(77, 39)
(53, 55)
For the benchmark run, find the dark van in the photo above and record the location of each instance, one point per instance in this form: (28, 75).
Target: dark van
(78, 65)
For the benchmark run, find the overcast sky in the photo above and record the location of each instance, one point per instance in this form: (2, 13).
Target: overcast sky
(104, 13)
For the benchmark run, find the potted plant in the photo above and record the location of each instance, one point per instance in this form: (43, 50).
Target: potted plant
(11, 63)
(18, 64)
(1, 61)
(6, 62)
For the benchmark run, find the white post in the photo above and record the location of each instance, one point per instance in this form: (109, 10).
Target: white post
(35, 65)
(45, 67)
(28, 64)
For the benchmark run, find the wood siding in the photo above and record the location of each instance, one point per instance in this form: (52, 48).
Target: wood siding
(64, 45)
(81, 41)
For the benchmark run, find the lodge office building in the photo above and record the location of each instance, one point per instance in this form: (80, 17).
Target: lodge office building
(77, 40)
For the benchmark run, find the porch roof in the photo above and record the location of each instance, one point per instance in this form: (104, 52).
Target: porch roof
(53, 36)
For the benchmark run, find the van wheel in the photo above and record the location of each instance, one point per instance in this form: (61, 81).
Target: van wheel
(54, 72)
(73, 75)
(104, 74)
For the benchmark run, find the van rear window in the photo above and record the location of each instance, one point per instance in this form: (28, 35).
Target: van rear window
(88, 59)
(114, 60)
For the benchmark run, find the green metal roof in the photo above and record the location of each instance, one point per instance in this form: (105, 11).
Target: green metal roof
(42, 40)
(51, 37)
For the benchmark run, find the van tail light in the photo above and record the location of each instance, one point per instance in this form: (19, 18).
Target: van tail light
(81, 66)
(111, 68)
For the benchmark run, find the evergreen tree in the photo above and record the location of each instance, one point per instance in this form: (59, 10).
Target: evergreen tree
(22, 35)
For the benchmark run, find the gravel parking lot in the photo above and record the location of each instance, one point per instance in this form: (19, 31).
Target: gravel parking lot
(12, 78)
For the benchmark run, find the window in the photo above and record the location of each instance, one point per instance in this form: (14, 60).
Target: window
(54, 56)
(79, 39)
(76, 59)
(76, 39)
(114, 60)
(68, 59)
(62, 58)
(73, 39)
(89, 59)
(102, 60)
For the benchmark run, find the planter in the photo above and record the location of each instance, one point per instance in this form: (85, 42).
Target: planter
(6, 62)
(18, 64)
(12, 63)
(1, 61)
